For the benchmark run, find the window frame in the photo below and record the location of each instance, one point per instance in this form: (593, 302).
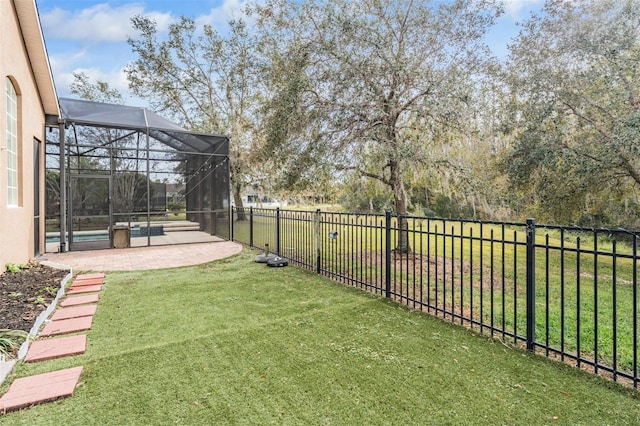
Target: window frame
(12, 144)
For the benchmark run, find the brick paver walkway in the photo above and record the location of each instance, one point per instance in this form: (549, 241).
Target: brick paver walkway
(155, 257)
(77, 317)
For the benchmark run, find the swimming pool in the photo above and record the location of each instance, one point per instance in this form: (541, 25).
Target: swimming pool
(136, 231)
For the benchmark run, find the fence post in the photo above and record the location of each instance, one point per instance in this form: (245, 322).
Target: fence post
(231, 221)
(278, 230)
(318, 236)
(251, 226)
(387, 278)
(531, 284)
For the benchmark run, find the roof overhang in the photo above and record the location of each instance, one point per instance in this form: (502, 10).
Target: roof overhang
(27, 12)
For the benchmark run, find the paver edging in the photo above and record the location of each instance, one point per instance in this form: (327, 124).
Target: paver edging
(6, 367)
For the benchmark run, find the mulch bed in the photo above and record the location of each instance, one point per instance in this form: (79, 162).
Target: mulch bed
(25, 294)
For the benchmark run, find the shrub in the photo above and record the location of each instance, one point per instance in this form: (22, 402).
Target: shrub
(176, 206)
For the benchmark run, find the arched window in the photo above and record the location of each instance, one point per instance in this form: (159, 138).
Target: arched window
(12, 144)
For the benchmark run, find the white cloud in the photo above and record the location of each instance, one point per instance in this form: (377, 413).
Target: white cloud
(64, 70)
(116, 79)
(98, 23)
(228, 10)
(63, 61)
(92, 38)
(514, 8)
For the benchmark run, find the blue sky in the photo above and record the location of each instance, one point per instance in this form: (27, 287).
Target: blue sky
(90, 36)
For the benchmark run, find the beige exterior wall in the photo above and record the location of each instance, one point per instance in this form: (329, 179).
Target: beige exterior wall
(17, 223)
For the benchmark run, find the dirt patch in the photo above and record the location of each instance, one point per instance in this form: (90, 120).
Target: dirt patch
(26, 293)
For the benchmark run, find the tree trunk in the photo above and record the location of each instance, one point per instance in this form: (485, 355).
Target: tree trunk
(400, 198)
(237, 199)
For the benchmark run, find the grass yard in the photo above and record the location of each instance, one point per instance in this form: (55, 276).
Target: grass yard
(584, 303)
(234, 342)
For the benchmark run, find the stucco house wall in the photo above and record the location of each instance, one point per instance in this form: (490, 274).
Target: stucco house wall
(25, 62)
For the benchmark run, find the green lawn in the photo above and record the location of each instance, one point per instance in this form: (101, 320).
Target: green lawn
(479, 271)
(234, 342)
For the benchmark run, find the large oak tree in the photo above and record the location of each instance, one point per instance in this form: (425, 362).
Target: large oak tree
(371, 84)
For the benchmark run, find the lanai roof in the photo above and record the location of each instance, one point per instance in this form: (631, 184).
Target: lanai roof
(99, 114)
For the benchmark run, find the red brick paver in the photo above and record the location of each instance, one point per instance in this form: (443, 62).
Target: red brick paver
(79, 300)
(85, 289)
(42, 350)
(90, 276)
(74, 312)
(67, 326)
(34, 390)
(84, 283)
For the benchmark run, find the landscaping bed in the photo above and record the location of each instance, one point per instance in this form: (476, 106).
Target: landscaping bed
(25, 293)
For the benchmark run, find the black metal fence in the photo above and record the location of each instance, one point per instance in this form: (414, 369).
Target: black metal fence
(569, 293)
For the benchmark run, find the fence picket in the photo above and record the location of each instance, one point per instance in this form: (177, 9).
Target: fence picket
(454, 271)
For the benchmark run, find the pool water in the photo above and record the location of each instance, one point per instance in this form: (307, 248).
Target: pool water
(136, 231)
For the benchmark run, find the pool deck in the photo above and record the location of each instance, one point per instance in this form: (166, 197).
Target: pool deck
(140, 258)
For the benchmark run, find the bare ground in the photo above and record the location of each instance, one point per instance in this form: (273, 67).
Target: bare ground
(26, 293)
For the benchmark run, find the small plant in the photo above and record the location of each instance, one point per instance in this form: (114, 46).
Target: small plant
(15, 294)
(12, 268)
(39, 301)
(10, 340)
(50, 290)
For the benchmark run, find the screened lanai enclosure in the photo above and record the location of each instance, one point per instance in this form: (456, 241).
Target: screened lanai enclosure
(120, 176)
